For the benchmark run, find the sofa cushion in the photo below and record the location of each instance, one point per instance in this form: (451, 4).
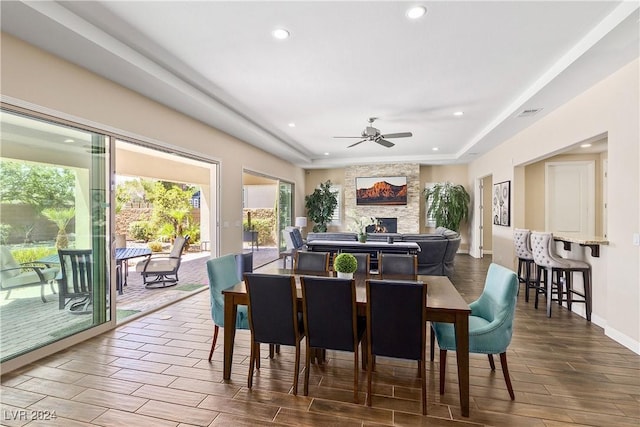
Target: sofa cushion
(342, 236)
(431, 256)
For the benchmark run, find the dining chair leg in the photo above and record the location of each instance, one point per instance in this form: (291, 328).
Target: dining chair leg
(271, 350)
(369, 374)
(355, 376)
(505, 372)
(307, 365)
(443, 369)
(297, 370)
(423, 375)
(491, 362)
(257, 359)
(432, 338)
(251, 364)
(216, 328)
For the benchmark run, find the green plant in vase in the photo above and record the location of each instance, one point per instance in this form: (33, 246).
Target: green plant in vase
(320, 206)
(345, 265)
(448, 204)
(360, 226)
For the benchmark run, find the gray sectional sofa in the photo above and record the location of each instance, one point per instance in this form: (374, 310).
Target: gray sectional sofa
(437, 250)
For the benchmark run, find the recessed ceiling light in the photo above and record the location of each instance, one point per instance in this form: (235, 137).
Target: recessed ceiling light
(292, 125)
(458, 113)
(280, 33)
(416, 12)
(326, 154)
(69, 140)
(435, 148)
(585, 145)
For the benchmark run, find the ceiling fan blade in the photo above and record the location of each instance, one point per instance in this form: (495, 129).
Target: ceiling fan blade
(397, 135)
(384, 142)
(359, 142)
(348, 136)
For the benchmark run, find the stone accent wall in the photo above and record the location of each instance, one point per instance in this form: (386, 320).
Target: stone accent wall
(408, 215)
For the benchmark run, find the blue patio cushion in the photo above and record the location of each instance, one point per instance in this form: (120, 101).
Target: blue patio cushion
(223, 274)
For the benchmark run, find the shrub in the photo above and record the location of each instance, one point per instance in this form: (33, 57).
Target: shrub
(264, 227)
(155, 246)
(141, 230)
(345, 263)
(32, 254)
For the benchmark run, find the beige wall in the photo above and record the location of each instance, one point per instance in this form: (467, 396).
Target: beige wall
(609, 107)
(55, 86)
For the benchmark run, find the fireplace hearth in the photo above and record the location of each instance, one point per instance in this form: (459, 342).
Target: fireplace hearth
(385, 225)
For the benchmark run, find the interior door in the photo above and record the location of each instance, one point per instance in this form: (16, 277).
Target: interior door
(570, 197)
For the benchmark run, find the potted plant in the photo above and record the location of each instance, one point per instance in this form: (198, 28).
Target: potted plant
(345, 265)
(360, 226)
(320, 206)
(448, 204)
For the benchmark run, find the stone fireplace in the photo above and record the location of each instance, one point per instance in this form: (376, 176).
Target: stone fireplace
(407, 217)
(385, 225)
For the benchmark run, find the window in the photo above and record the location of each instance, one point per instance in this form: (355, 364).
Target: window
(336, 218)
(429, 220)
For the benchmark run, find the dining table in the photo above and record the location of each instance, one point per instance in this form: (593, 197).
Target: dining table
(444, 304)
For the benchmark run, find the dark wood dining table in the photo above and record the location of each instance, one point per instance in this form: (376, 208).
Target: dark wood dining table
(444, 304)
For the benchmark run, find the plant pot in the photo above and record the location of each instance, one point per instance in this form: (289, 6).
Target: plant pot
(342, 275)
(362, 238)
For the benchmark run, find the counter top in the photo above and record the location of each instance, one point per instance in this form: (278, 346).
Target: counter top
(593, 242)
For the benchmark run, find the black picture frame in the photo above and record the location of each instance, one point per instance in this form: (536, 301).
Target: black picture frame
(501, 204)
(381, 190)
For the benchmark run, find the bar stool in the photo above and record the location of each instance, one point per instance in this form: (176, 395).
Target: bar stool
(522, 243)
(545, 257)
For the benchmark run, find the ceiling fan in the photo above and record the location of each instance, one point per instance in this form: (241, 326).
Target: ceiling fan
(372, 134)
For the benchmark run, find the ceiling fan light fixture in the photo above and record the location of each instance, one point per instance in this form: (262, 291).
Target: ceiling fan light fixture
(280, 34)
(416, 12)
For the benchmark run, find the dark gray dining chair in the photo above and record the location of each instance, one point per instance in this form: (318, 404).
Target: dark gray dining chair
(364, 262)
(331, 321)
(396, 326)
(397, 265)
(311, 261)
(273, 317)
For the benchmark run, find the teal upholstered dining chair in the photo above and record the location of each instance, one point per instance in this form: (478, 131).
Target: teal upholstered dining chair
(223, 273)
(490, 323)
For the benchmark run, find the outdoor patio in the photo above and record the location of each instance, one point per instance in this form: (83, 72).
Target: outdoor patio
(26, 322)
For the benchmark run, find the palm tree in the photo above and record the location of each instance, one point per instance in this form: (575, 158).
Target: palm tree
(61, 218)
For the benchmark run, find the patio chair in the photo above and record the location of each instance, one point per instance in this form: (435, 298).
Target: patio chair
(15, 275)
(162, 271)
(75, 287)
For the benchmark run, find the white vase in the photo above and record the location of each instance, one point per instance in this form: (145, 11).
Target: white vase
(342, 275)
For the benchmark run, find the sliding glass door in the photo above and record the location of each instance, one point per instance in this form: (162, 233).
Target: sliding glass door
(54, 198)
(285, 211)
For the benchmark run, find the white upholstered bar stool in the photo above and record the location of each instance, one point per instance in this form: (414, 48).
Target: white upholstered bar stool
(545, 257)
(522, 243)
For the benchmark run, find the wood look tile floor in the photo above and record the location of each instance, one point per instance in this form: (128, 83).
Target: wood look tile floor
(154, 371)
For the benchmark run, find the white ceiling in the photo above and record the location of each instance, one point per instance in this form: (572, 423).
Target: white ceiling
(345, 62)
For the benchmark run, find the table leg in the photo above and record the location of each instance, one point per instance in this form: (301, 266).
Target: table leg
(462, 356)
(230, 314)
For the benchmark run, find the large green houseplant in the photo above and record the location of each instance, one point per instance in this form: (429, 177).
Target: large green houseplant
(320, 206)
(448, 204)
